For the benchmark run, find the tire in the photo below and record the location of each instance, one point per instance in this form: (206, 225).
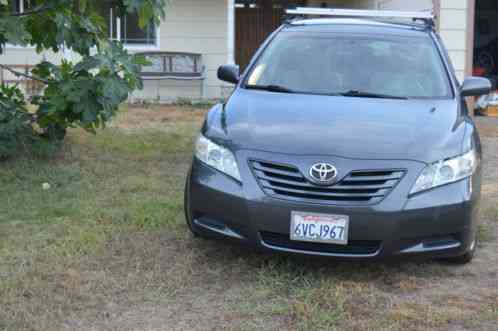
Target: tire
(465, 258)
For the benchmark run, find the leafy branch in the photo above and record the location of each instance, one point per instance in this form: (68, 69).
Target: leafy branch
(22, 74)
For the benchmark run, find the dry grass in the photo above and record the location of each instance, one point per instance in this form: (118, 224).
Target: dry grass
(106, 248)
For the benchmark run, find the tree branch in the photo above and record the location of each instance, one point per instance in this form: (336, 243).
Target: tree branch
(22, 74)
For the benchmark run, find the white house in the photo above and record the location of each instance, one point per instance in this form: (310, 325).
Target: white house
(229, 31)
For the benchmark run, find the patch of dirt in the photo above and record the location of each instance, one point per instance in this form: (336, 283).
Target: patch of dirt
(194, 281)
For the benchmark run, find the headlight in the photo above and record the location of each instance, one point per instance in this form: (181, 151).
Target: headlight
(445, 172)
(217, 157)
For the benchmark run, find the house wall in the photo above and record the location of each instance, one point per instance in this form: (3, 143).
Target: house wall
(453, 30)
(197, 26)
(14, 55)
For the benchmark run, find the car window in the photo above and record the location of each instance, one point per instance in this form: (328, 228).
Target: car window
(330, 63)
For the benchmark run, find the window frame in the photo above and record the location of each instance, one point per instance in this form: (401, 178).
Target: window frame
(117, 20)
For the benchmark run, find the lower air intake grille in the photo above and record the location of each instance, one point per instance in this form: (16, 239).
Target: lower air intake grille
(353, 247)
(359, 187)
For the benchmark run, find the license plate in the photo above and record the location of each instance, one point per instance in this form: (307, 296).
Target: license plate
(321, 228)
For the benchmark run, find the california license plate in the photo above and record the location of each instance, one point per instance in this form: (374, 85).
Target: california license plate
(321, 228)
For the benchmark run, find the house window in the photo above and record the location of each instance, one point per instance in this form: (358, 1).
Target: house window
(126, 28)
(132, 34)
(21, 6)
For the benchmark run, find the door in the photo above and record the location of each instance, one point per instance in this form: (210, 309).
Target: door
(254, 21)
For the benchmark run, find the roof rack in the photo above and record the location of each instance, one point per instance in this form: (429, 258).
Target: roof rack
(426, 16)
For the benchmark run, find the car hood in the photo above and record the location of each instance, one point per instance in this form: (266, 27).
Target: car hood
(360, 128)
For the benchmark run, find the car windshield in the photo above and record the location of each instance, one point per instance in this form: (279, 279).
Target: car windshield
(353, 65)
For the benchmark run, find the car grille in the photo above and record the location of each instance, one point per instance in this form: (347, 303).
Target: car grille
(365, 247)
(358, 187)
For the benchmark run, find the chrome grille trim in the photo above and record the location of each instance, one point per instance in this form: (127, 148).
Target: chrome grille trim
(359, 187)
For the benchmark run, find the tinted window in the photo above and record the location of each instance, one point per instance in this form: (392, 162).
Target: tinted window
(330, 63)
(129, 32)
(133, 34)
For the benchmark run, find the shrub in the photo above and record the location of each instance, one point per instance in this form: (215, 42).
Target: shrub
(16, 130)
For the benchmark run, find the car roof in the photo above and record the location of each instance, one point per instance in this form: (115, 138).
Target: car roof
(363, 25)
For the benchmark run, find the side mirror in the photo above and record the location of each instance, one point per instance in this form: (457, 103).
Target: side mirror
(229, 73)
(475, 86)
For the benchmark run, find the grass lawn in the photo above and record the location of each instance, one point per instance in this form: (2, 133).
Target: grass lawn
(106, 248)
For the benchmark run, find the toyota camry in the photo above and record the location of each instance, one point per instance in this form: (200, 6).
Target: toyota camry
(345, 137)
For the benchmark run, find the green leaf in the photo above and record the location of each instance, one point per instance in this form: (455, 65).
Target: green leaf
(89, 116)
(145, 15)
(88, 63)
(12, 29)
(115, 90)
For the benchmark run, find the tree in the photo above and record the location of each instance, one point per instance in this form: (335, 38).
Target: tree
(83, 94)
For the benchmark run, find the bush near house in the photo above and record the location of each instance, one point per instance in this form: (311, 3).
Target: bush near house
(16, 130)
(84, 94)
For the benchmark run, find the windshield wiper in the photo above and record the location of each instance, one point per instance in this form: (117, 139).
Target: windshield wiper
(363, 94)
(270, 88)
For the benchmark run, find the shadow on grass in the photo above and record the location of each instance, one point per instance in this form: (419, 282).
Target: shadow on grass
(220, 254)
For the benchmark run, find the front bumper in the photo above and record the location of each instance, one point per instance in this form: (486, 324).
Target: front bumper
(437, 223)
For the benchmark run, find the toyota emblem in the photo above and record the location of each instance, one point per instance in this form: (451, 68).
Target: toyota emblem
(323, 173)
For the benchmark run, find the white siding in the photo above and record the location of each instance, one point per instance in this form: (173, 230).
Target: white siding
(14, 55)
(453, 30)
(27, 56)
(196, 26)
